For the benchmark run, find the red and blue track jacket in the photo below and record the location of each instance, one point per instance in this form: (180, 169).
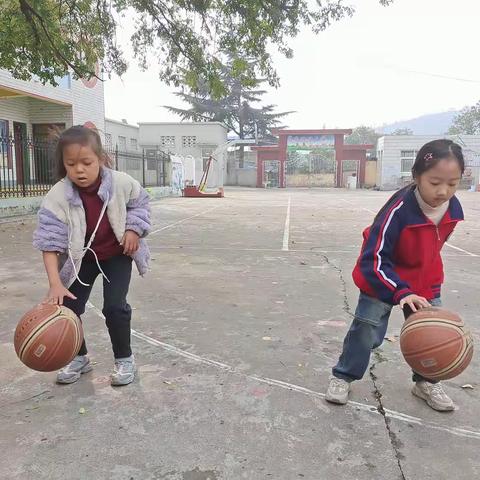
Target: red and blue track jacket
(401, 251)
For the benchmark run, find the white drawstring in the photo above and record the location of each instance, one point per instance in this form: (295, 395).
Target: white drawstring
(75, 268)
(98, 264)
(89, 244)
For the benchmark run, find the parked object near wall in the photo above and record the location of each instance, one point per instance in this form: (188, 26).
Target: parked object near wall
(200, 190)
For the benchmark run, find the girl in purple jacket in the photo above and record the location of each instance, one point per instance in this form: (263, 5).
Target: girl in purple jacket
(93, 222)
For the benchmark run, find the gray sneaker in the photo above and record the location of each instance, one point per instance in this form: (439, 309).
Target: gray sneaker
(124, 371)
(337, 391)
(71, 373)
(434, 395)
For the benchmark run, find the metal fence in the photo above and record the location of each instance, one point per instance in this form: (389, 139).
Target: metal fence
(27, 166)
(150, 167)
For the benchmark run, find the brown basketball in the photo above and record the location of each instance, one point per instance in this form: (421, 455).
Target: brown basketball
(48, 337)
(436, 344)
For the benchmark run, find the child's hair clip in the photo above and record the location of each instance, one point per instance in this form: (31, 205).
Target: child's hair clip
(428, 157)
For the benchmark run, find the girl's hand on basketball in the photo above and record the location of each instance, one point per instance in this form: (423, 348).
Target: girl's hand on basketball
(56, 293)
(130, 242)
(414, 302)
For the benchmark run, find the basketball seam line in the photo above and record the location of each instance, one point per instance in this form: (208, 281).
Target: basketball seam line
(34, 335)
(464, 353)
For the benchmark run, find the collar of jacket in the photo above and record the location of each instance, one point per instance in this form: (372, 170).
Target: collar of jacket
(104, 192)
(416, 217)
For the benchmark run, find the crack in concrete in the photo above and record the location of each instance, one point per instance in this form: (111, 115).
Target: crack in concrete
(346, 304)
(395, 442)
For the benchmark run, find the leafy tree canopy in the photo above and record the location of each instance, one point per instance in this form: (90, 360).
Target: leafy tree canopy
(47, 38)
(467, 122)
(363, 135)
(239, 109)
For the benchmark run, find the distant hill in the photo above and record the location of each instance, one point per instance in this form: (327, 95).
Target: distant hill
(431, 124)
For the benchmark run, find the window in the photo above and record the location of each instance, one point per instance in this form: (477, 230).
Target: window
(407, 159)
(189, 141)
(108, 141)
(134, 143)
(5, 157)
(167, 141)
(122, 143)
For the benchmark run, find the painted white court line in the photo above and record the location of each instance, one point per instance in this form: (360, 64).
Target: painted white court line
(183, 220)
(402, 417)
(286, 231)
(235, 249)
(470, 254)
(355, 205)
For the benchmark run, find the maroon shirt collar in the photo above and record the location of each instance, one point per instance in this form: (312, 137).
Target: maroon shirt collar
(92, 188)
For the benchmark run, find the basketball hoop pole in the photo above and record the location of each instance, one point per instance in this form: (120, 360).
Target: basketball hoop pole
(193, 191)
(220, 150)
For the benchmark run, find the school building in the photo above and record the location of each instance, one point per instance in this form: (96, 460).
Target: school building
(140, 150)
(121, 135)
(28, 111)
(396, 155)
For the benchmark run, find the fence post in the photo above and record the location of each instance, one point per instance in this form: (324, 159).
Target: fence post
(116, 157)
(143, 167)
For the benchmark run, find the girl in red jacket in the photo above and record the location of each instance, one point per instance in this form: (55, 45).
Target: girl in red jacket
(400, 263)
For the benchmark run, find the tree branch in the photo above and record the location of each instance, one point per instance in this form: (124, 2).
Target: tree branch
(29, 11)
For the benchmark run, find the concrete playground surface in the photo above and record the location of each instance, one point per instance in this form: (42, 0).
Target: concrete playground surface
(236, 328)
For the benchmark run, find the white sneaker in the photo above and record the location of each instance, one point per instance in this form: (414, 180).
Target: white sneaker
(124, 371)
(71, 373)
(434, 395)
(337, 391)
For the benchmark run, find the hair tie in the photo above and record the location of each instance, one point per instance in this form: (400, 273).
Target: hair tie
(428, 157)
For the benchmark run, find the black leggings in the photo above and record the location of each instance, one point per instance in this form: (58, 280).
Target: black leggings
(115, 307)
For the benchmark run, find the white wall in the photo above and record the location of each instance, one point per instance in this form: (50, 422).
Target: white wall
(48, 104)
(45, 112)
(89, 104)
(116, 129)
(71, 103)
(31, 110)
(208, 136)
(34, 87)
(389, 175)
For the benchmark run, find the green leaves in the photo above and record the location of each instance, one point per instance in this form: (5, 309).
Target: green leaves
(363, 135)
(467, 122)
(47, 38)
(237, 107)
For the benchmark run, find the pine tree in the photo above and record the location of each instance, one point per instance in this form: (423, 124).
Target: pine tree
(238, 109)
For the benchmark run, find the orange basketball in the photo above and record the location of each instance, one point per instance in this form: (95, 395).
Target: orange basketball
(436, 344)
(48, 337)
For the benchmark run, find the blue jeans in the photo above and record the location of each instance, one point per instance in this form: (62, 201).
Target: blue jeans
(367, 332)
